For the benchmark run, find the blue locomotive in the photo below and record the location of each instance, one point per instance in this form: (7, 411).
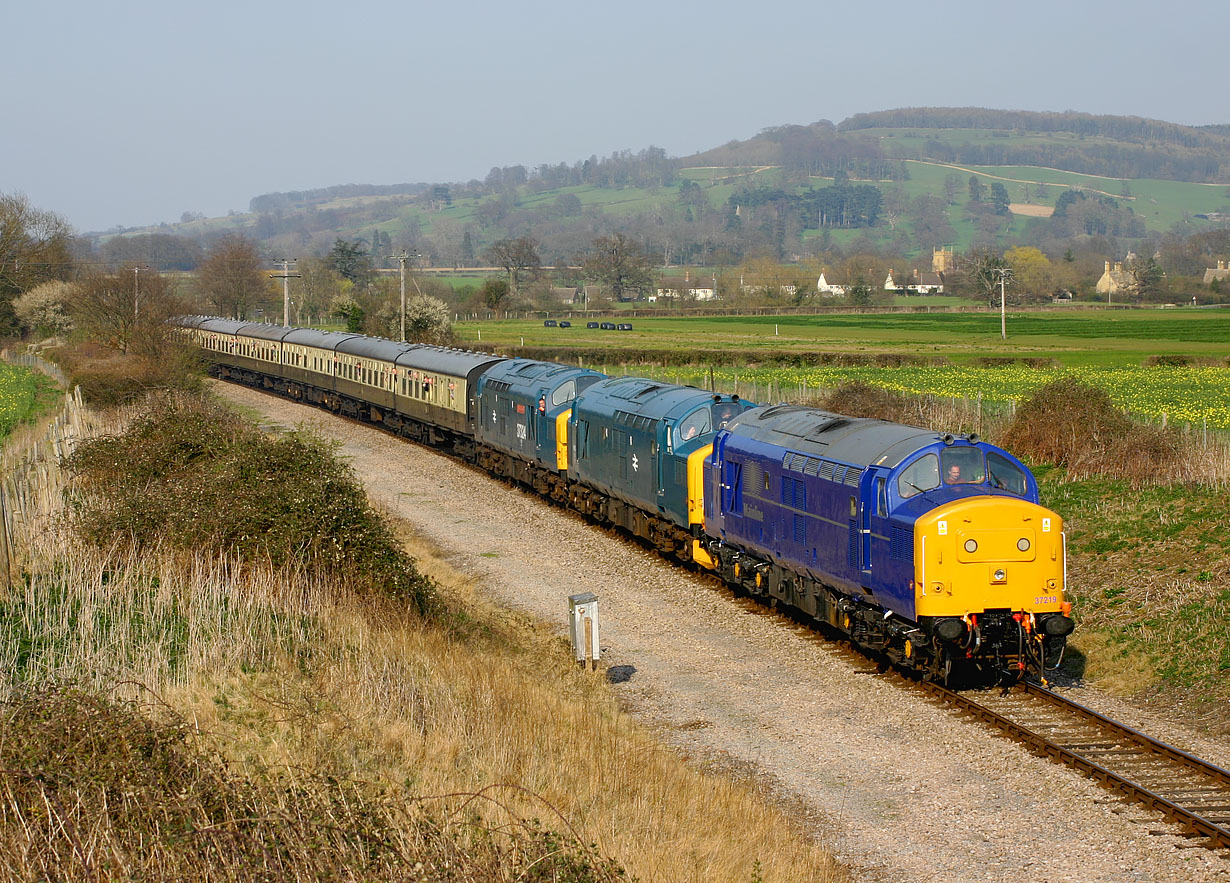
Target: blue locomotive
(637, 452)
(930, 549)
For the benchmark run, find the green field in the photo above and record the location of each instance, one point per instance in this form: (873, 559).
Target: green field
(1107, 348)
(1103, 338)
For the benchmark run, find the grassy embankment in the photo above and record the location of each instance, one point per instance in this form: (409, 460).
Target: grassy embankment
(1150, 574)
(220, 662)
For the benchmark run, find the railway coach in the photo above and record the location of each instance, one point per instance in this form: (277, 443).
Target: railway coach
(423, 392)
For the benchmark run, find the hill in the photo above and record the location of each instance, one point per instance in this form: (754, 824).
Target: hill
(900, 182)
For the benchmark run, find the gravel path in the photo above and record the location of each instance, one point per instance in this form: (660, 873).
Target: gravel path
(897, 788)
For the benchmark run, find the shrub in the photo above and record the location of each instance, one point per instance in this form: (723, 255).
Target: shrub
(865, 400)
(108, 378)
(1077, 426)
(191, 474)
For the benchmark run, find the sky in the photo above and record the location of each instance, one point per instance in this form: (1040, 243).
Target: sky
(132, 112)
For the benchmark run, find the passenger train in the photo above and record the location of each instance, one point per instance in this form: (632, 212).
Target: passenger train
(929, 549)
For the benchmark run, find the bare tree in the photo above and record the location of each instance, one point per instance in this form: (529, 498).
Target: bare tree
(232, 279)
(519, 258)
(126, 310)
(618, 263)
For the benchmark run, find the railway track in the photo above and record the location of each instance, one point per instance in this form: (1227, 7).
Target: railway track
(1185, 790)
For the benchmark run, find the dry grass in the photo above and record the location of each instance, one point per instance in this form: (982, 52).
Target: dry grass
(482, 723)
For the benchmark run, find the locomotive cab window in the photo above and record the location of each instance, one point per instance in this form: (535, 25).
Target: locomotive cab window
(962, 466)
(563, 393)
(724, 412)
(1005, 474)
(695, 424)
(920, 476)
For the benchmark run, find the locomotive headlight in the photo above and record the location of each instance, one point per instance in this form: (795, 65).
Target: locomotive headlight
(1023, 544)
(1000, 576)
(971, 546)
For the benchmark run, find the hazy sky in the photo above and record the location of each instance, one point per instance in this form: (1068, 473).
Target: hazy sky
(134, 112)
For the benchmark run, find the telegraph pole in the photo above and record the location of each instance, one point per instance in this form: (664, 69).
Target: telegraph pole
(401, 260)
(136, 293)
(286, 276)
(1004, 273)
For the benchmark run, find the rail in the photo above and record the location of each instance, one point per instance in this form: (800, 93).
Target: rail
(1192, 793)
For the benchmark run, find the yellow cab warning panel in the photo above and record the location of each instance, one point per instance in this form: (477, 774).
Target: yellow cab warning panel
(696, 484)
(561, 440)
(988, 553)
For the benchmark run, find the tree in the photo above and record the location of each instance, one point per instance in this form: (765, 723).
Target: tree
(34, 248)
(1031, 269)
(999, 198)
(428, 320)
(350, 260)
(618, 263)
(127, 311)
(976, 189)
(984, 266)
(493, 293)
(859, 293)
(45, 308)
(315, 290)
(519, 258)
(952, 186)
(346, 307)
(232, 278)
(1147, 277)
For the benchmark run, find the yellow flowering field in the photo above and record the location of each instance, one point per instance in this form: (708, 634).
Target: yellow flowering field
(1199, 396)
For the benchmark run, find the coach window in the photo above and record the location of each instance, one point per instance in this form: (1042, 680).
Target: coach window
(1005, 474)
(920, 476)
(881, 498)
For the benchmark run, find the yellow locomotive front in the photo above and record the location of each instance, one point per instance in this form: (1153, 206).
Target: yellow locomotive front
(989, 581)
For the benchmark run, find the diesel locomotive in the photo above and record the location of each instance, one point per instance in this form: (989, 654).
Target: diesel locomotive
(929, 549)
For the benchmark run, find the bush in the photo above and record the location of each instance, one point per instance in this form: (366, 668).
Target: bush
(1077, 426)
(865, 400)
(190, 474)
(108, 378)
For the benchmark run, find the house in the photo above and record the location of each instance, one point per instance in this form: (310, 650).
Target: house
(1115, 280)
(567, 295)
(826, 289)
(688, 291)
(915, 283)
(1220, 273)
